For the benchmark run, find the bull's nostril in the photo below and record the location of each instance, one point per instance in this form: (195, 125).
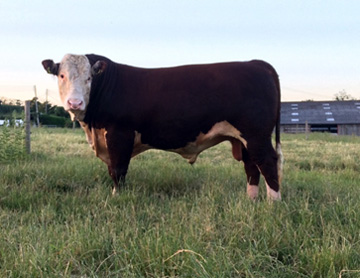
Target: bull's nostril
(75, 103)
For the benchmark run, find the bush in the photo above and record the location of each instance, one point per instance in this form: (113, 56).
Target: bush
(6, 111)
(55, 121)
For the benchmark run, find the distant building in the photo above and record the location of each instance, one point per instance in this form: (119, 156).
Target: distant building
(341, 117)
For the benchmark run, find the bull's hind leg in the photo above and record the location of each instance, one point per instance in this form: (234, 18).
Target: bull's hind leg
(252, 175)
(264, 156)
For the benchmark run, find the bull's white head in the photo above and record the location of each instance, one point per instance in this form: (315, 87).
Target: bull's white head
(74, 74)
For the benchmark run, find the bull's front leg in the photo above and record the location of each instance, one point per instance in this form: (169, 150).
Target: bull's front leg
(120, 145)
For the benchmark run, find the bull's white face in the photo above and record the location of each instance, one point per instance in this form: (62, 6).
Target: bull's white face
(74, 79)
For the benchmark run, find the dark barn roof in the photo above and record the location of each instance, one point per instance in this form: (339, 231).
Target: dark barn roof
(320, 112)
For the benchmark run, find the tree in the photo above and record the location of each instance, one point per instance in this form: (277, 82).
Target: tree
(343, 95)
(59, 111)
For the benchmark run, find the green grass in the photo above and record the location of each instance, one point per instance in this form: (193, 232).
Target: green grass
(58, 218)
(12, 143)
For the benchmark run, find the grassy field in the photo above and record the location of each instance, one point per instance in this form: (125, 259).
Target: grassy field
(58, 218)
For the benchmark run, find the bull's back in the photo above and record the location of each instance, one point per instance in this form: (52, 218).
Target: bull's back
(179, 103)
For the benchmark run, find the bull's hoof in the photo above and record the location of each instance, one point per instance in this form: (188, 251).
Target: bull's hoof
(272, 195)
(252, 191)
(115, 190)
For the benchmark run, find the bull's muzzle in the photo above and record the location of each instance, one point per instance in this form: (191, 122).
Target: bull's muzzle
(75, 104)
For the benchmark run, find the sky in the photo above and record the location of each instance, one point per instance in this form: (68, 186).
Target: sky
(313, 45)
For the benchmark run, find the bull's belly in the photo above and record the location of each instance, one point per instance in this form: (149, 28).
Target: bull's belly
(218, 133)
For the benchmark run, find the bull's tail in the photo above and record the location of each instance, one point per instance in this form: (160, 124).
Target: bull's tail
(277, 134)
(279, 152)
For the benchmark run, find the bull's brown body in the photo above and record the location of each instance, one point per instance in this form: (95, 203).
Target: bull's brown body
(184, 109)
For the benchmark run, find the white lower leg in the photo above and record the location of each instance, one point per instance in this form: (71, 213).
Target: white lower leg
(252, 191)
(115, 190)
(272, 195)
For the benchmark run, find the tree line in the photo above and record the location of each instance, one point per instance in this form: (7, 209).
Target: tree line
(49, 115)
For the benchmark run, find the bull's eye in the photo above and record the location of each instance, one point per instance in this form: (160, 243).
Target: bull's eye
(62, 76)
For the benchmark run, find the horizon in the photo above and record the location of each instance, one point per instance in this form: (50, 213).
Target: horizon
(13, 102)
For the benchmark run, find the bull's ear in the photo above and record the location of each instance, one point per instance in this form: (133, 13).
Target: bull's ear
(98, 67)
(51, 67)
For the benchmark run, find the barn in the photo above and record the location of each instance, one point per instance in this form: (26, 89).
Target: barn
(339, 117)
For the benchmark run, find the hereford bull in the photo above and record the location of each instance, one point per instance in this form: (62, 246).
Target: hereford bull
(127, 110)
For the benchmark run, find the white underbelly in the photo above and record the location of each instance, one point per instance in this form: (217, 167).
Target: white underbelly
(218, 133)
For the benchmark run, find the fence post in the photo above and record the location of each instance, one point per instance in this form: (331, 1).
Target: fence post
(36, 108)
(27, 126)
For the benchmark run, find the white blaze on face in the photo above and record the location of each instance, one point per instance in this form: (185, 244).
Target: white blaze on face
(74, 81)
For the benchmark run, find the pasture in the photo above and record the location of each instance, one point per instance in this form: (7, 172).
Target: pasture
(58, 218)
